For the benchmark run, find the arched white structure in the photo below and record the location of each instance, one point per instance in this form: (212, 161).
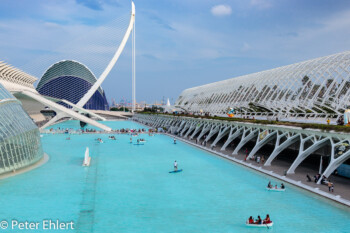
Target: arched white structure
(20, 84)
(115, 58)
(318, 88)
(79, 106)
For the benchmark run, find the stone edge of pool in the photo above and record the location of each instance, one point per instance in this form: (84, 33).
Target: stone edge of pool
(321, 193)
(31, 167)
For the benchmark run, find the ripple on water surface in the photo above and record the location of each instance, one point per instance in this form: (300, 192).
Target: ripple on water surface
(128, 189)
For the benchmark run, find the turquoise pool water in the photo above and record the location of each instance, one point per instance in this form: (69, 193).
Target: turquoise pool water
(128, 188)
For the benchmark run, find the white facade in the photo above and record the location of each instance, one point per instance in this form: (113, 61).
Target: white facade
(315, 88)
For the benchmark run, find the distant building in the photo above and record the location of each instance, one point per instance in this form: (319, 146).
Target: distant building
(71, 80)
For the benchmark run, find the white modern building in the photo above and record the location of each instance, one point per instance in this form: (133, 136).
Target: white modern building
(307, 91)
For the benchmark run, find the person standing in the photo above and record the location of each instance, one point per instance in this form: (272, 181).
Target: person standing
(175, 166)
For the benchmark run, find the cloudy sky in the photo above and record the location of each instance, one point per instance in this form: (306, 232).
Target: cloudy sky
(179, 43)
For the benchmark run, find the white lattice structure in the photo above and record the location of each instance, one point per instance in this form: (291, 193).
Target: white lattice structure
(316, 88)
(15, 76)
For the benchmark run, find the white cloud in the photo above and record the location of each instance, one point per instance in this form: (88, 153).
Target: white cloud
(221, 10)
(261, 4)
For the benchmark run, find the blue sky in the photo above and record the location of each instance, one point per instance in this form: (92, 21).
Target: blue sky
(180, 43)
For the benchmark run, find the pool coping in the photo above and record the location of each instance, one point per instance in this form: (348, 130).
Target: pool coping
(336, 198)
(39, 163)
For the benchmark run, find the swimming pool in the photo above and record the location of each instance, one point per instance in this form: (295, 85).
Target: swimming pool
(128, 188)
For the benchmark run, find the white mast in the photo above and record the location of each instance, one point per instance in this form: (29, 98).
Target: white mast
(133, 71)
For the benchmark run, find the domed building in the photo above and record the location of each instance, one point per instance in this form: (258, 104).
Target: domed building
(71, 80)
(20, 144)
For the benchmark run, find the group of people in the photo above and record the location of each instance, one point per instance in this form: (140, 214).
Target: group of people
(267, 220)
(141, 140)
(89, 130)
(324, 179)
(257, 158)
(122, 130)
(270, 186)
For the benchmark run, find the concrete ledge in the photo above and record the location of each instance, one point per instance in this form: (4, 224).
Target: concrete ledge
(332, 197)
(41, 162)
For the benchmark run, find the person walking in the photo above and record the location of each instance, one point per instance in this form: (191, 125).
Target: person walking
(332, 187)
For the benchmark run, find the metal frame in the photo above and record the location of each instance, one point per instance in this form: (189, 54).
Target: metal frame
(312, 91)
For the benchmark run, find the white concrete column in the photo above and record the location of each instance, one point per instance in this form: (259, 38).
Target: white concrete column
(212, 132)
(262, 142)
(303, 154)
(234, 133)
(192, 127)
(223, 132)
(188, 124)
(248, 135)
(335, 161)
(280, 147)
(199, 126)
(204, 131)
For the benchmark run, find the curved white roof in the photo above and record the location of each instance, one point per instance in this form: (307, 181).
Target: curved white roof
(68, 68)
(14, 75)
(320, 85)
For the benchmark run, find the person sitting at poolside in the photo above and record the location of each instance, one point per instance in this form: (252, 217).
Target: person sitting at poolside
(267, 219)
(258, 221)
(282, 186)
(276, 186)
(250, 220)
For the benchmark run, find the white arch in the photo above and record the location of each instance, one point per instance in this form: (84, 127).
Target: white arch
(115, 58)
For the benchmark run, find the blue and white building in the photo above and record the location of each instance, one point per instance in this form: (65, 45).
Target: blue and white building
(71, 80)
